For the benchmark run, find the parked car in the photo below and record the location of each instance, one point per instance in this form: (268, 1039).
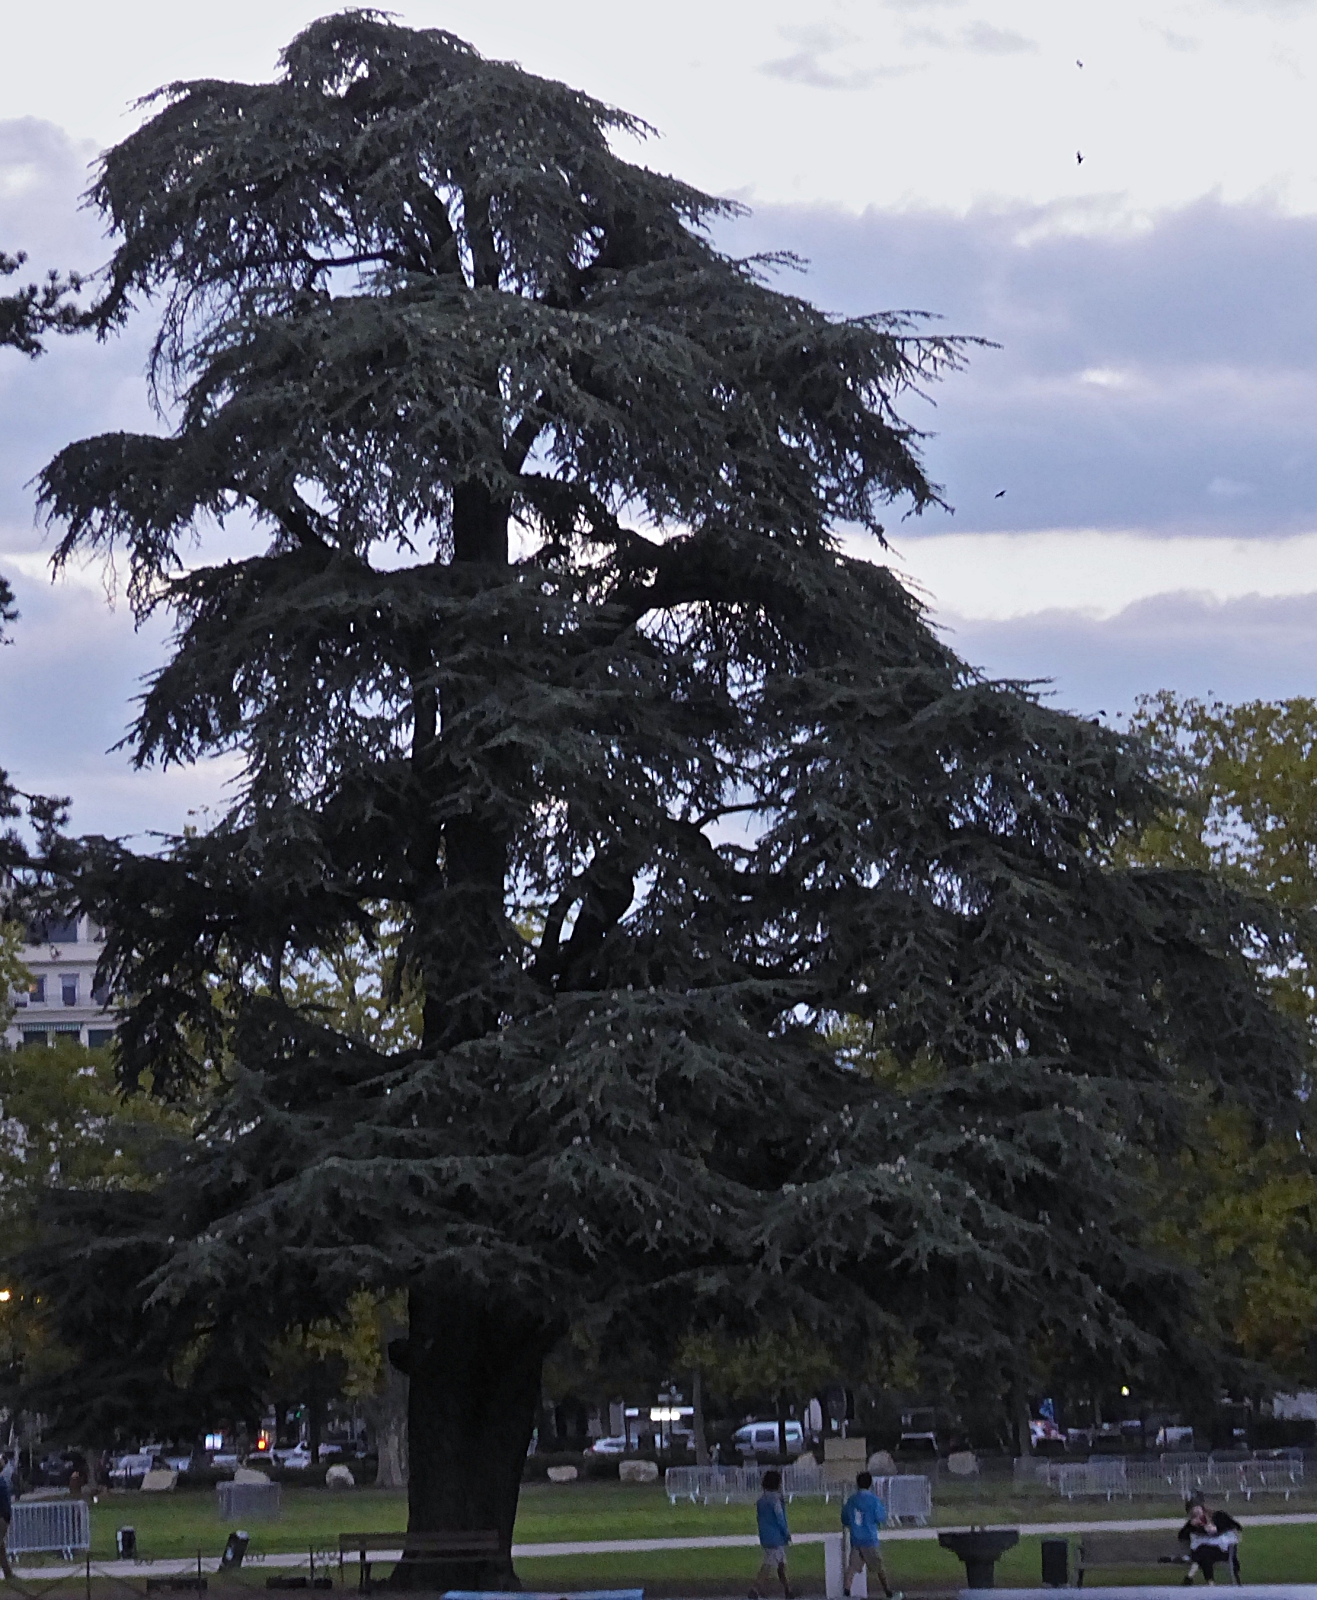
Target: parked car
(919, 1432)
(129, 1470)
(54, 1471)
(764, 1435)
(177, 1461)
(297, 1456)
(616, 1446)
(260, 1459)
(340, 1450)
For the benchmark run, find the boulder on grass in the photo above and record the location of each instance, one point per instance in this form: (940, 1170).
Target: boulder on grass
(562, 1474)
(880, 1463)
(249, 1475)
(638, 1471)
(340, 1477)
(159, 1480)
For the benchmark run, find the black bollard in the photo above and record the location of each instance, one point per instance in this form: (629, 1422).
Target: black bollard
(1056, 1563)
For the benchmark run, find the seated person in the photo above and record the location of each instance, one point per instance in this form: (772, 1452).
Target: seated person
(1212, 1537)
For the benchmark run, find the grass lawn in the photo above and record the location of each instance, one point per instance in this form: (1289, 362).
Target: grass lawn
(180, 1524)
(1268, 1555)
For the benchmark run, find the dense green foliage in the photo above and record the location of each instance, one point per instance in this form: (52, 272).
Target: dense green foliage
(1242, 785)
(98, 1363)
(552, 651)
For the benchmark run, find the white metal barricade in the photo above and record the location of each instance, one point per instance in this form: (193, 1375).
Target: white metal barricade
(40, 1527)
(908, 1498)
(248, 1502)
(1177, 1478)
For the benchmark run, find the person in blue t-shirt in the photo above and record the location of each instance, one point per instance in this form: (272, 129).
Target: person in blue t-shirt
(862, 1516)
(774, 1536)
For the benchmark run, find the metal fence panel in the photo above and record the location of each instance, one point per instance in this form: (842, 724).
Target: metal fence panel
(908, 1498)
(1176, 1477)
(248, 1502)
(40, 1526)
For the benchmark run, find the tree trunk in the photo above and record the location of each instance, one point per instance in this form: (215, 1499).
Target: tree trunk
(1020, 1406)
(474, 1371)
(386, 1413)
(697, 1421)
(315, 1414)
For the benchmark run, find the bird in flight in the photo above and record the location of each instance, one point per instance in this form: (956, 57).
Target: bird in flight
(1078, 62)
(1079, 157)
(999, 494)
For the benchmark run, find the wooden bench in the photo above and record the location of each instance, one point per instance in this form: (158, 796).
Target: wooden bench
(1132, 1548)
(473, 1549)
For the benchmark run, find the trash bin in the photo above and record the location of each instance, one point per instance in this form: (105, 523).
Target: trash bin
(1056, 1563)
(234, 1550)
(125, 1542)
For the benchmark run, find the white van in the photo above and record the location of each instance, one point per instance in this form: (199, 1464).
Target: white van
(757, 1436)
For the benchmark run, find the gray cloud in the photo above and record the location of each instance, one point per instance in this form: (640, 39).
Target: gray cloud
(805, 67)
(806, 64)
(1137, 370)
(68, 679)
(984, 39)
(70, 676)
(980, 38)
(1254, 648)
(1163, 379)
(1272, 8)
(79, 386)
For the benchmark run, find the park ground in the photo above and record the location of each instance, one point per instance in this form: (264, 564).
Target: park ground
(179, 1525)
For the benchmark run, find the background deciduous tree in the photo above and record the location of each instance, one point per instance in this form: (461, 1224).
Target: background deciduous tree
(1241, 1207)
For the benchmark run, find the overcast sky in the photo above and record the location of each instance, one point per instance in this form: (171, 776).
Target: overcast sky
(1148, 411)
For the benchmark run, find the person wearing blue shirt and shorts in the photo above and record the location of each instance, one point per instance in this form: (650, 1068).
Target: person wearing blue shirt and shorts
(862, 1516)
(774, 1536)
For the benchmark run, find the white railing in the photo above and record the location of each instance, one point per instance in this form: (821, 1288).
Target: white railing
(43, 1526)
(907, 1498)
(246, 1502)
(1115, 1477)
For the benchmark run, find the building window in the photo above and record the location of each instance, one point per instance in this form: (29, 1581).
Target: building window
(68, 988)
(34, 1036)
(100, 995)
(37, 993)
(97, 1038)
(62, 930)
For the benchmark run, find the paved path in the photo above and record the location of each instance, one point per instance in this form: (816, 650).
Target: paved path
(745, 1541)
